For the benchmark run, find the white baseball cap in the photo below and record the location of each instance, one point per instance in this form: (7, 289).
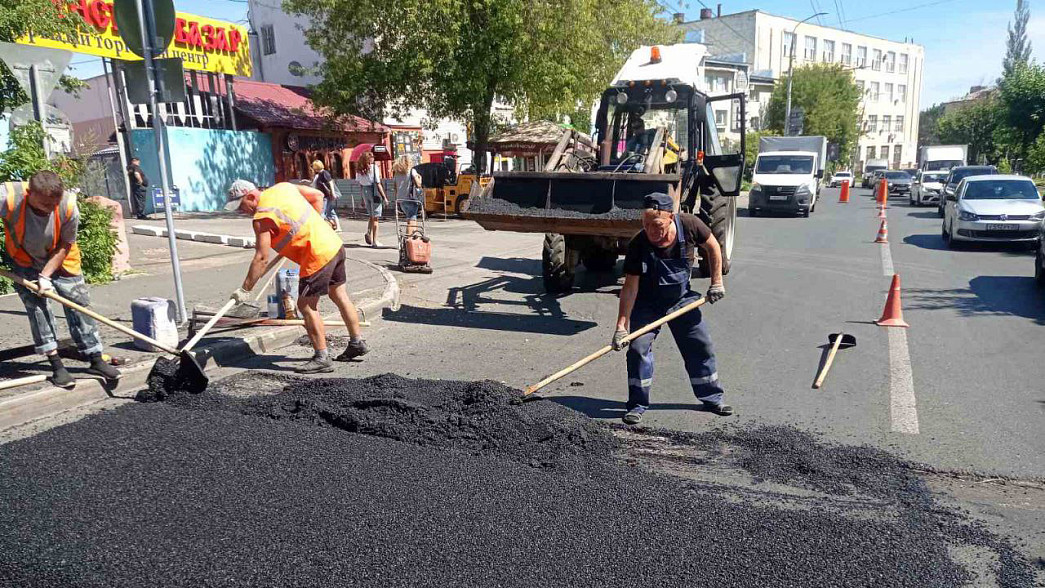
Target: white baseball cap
(237, 191)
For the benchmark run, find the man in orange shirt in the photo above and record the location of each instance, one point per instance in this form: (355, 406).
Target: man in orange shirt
(287, 218)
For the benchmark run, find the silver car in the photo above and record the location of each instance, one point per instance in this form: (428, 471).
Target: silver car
(927, 187)
(995, 208)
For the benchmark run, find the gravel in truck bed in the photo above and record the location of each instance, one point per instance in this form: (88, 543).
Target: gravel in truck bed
(389, 481)
(492, 205)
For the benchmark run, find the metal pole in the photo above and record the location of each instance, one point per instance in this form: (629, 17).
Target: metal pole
(148, 31)
(39, 105)
(791, 70)
(119, 138)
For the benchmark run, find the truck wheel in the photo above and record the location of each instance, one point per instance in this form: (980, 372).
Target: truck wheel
(722, 210)
(601, 261)
(557, 269)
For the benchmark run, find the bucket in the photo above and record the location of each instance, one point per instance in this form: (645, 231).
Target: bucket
(154, 317)
(286, 283)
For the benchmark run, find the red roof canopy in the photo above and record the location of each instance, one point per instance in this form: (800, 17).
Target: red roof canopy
(287, 106)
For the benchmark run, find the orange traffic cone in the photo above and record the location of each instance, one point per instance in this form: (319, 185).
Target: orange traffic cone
(883, 233)
(881, 212)
(883, 193)
(844, 196)
(892, 316)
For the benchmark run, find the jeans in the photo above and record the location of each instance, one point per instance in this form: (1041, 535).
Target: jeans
(329, 209)
(83, 329)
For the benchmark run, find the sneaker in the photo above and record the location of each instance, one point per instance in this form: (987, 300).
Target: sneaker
(100, 367)
(355, 349)
(366, 238)
(316, 366)
(60, 376)
(719, 409)
(632, 417)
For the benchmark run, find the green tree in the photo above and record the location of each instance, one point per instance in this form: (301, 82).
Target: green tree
(454, 58)
(830, 99)
(977, 125)
(928, 125)
(1023, 98)
(43, 17)
(1017, 48)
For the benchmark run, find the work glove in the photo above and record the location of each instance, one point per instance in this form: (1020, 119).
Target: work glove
(45, 285)
(241, 295)
(715, 293)
(618, 339)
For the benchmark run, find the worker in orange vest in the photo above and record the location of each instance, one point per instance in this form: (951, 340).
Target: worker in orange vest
(287, 218)
(40, 224)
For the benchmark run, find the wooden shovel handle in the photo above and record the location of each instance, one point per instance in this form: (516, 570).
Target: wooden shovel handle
(830, 359)
(86, 311)
(583, 362)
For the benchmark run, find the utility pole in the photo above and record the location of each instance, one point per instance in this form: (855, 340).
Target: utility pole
(791, 70)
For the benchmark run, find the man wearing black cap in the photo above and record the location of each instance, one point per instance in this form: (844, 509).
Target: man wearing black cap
(657, 270)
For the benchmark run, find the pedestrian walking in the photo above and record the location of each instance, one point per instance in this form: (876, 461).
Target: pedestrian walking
(40, 224)
(323, 182)
(373, 195)
(657, 268)
(286, 218)
(139, 183)
(408, 190)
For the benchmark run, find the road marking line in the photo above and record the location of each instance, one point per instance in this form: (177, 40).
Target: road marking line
(902, 404)
(887, 260)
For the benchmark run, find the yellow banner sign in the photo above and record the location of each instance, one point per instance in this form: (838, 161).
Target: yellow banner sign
(203, 44)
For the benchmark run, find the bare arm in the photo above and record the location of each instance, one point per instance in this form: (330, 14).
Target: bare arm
(381, 189)
(55, 262)
(713, 253)
(262, 246)
(627, 301)
(314, 197)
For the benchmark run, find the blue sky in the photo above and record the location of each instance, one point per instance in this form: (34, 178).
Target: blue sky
(964, 40)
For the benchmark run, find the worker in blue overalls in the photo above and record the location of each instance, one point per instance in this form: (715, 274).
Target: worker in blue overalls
(657, 270)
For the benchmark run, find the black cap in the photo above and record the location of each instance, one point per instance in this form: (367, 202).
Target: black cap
(658, 201)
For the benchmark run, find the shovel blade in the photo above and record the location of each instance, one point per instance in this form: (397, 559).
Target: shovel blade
(847, 340)
(191, 373)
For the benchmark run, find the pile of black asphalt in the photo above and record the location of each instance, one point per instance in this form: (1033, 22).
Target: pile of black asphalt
(491, 205)
(388, 481)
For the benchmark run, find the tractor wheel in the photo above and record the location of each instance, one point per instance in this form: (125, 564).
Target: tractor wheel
(722, 212)
(461, 205)
(558, 264)
(601, 261)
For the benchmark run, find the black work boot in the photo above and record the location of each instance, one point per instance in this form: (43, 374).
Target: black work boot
(319, 364)
(355, 349)
(60, 376)
(719, 409)
(100, 367)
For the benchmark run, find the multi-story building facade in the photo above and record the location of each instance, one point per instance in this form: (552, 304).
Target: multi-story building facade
(888, 73)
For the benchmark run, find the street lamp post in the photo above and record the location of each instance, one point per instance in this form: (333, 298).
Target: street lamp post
(791, 69)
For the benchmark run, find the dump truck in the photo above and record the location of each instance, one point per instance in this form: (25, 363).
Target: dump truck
(656, 130)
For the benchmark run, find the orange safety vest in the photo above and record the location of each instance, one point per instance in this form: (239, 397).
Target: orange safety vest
(302, 236)
(14, 236)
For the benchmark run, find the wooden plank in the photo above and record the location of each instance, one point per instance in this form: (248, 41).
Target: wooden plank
(553, 159)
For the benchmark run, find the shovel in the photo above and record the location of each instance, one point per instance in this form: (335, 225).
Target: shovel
(838, 341)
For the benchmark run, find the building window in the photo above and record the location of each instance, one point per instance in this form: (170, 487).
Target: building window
(903, 63)
(874, 92)
(829, 51)
(872, 123)
(901, 93)
(888, 92)
(885, 152)
(860, 87)
(876, 60)
(899, 123)
(268, 40)
(789, 42)
(887, 122)
(897, 154)
(810, 53)
(890, 61)
(720, 119)
(870, 152)
(847, 53)
(861, 56)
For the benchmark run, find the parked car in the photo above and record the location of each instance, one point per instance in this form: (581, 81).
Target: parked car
(993, 208)
(927, 187)
(841, 176)
(897, 182)
(869, 179)
(911, 171)
(956, 175)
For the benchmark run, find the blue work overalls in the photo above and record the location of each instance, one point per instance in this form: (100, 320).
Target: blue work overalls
(663, 288)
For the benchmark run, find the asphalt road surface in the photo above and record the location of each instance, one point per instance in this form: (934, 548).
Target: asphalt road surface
(960, 393)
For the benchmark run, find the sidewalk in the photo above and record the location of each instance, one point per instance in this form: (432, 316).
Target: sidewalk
(209, 273)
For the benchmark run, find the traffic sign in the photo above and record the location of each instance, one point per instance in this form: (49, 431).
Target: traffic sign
(49, 65)
(126, 13)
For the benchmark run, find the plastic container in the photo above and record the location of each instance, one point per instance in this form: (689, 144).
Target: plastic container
(273, 304)
(156, 318)
(286, 283)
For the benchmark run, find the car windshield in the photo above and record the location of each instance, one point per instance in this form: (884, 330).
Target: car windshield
(634, 128)
(942, 164)
(933, 177)
(961, 174)
(843, 174)
(784, 164)
(1001, 190)
(897, 175)
(872, 168)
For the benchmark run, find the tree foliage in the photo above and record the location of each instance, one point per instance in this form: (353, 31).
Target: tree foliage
(1023, 95)
(44, 17)
(454, 58)
(830, 99)
(976, 125)
(928, 129)
(1017, 47)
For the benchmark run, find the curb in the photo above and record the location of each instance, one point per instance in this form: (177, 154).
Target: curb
(20, 410)
(198, 236)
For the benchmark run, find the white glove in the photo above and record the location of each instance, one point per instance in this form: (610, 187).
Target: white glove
(618, 339)
(715, 293)
(45, 285)
(241, 295)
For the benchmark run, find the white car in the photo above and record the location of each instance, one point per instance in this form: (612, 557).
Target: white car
(927, 187)
(994, 208)
(842, 176)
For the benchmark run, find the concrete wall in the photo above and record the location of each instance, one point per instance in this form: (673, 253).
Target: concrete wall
(204, 162)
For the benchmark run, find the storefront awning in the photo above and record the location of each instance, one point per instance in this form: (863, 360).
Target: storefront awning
(273, 105)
